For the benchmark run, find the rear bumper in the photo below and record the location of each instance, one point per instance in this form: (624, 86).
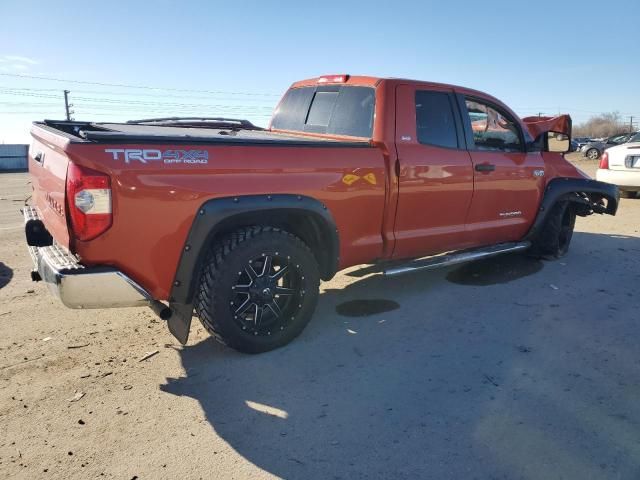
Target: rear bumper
(624, 179)
(77, 285)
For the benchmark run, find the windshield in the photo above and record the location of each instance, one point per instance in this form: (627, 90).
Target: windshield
(618, 139)
(331, 109)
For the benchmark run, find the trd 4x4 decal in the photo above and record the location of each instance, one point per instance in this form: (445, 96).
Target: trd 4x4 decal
(152, 155)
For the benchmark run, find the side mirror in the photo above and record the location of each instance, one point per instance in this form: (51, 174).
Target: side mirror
(558, 142)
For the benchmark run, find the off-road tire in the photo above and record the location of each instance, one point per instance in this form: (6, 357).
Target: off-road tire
(628, 194)
(553, 240)
(227, 262)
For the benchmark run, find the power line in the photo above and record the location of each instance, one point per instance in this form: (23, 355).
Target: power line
(113, 106)
(115, 114)
(38, 114)
(29, 94)
(89, 107)
(137, 108)
(137, 102)
(574, 110)
(19, 90)
(143, 87)
(167, 104)
(29, 104)
(43, 113)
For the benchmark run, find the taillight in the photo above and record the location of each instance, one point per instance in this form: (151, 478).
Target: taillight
(604, 161)
(89, 201)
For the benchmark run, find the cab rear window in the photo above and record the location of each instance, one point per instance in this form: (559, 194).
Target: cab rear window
(331, 109)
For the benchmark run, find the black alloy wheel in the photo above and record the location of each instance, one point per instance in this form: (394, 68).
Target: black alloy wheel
(267, 294)
(258, 288)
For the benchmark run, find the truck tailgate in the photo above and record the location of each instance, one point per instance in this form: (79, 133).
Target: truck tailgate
(48, 168)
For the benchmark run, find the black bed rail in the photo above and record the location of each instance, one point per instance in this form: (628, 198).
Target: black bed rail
(213, 122)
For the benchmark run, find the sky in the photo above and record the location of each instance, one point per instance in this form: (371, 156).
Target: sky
(236, 58)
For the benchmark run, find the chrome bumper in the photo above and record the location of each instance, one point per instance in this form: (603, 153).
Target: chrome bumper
(79, 286)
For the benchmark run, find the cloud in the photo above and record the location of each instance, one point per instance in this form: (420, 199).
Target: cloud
(18, 60)
(13, 67)
(16, 63)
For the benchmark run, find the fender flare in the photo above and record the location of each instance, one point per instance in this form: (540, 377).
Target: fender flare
(586, 192)
(210, 221)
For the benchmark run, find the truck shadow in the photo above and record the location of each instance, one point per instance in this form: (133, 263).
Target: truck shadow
(492, 271)
(512, 380)
(6, 274)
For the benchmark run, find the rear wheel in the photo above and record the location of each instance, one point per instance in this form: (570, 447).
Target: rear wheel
(592, 154)
(628, 194)
(258, 289)
(555, 237)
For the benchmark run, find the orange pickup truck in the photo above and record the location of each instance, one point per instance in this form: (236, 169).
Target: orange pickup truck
(237, 224)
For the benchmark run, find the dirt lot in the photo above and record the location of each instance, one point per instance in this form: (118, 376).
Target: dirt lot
(510, 368)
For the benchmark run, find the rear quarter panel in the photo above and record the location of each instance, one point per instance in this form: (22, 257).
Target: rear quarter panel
(154, 203)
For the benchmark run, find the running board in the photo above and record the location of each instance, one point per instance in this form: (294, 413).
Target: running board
(449, 259)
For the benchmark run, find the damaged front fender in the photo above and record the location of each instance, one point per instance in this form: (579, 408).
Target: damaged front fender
(591, 196)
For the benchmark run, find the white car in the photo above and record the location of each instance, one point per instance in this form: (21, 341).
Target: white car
(620, 165)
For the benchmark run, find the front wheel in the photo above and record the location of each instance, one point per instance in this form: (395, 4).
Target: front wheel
(258, 289)
(553, 240)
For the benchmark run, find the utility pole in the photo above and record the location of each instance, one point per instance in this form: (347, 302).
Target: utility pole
(67, 106)
(630, 123)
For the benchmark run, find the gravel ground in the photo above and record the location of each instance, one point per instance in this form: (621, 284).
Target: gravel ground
(509, 368)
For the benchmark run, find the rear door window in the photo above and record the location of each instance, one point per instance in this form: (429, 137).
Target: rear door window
(435, 123)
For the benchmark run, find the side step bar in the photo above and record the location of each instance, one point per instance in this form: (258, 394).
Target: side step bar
(431, 263)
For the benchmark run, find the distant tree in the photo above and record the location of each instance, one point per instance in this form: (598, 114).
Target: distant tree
(602, 125)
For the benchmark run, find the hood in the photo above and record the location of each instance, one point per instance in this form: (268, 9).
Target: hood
(539, 125)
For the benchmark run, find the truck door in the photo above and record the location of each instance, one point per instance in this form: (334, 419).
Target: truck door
(508, 180)
(435, 173)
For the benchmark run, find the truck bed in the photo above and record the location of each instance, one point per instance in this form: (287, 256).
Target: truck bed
(143, 133)
(156, 202)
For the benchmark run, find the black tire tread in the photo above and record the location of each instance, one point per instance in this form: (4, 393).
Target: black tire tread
(217, 255)
(545, 245)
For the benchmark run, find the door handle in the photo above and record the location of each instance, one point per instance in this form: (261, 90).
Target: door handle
(485, 167)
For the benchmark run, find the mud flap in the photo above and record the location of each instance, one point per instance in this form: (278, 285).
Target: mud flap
(180, 321)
